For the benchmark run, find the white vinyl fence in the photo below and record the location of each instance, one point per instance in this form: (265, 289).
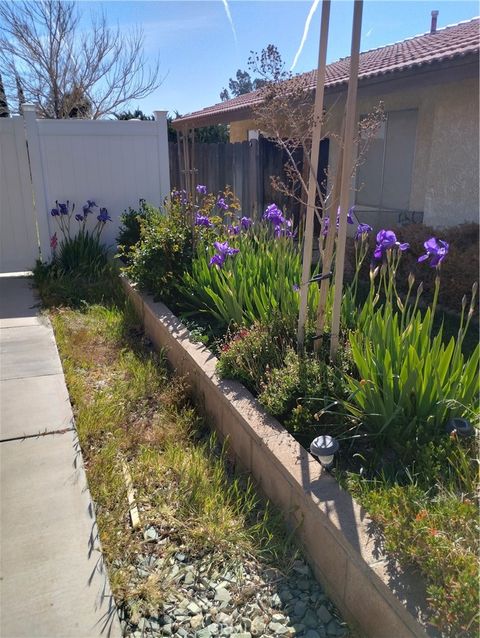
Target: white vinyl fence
(113, 162)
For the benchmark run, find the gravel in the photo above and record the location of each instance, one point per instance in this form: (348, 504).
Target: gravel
(251, 602)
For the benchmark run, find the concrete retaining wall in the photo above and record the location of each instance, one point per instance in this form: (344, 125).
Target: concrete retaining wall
(333, 529)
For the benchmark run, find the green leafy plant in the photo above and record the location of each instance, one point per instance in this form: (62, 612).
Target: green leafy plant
(248, 354)
(439, 535)
(158, 261)
(259, 281)
(410, 381)
(129, 232)
(295, 391)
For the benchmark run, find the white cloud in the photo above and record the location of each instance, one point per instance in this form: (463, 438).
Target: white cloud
(305, 33)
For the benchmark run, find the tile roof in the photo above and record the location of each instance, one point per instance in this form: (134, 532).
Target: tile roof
(450, 42)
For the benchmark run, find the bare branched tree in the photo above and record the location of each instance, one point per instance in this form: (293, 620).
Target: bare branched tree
(68, 69)
(284, 114)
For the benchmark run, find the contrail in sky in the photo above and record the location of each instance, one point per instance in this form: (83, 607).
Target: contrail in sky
(229, 17)
(305, 32)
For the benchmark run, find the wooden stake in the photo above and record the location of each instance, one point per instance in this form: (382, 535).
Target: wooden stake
(329, 246)
(312, 180)
(347, 167)
(134, 515)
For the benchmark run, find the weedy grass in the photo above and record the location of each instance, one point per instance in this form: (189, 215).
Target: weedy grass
(128, 408)
(438, 534)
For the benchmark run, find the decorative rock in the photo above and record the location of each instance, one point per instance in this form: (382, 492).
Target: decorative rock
(324, 615)
(180, 557)
(276, 602)
(300, 609)
(214, 629)
(257, 627)
(278, 618)
(303, 585)
(189, 578)
(193, 609)
(277, 628)
(285, 595)
(224, 619)
(202, 633)
(167, 629)
(222, 595)
(196, 621)
(150, 534)
(334, 629)
(244, 634)
(310, 619)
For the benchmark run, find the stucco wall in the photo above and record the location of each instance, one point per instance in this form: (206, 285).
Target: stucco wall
(239, 130)
(445, 178)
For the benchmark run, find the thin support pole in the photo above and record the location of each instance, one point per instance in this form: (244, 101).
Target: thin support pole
(347, 168)
(179, 154)
(328, 250)
(312, 180)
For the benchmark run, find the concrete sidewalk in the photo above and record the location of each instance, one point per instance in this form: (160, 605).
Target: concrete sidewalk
(53, 583)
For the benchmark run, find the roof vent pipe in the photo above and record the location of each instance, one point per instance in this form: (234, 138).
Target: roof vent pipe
(433, 25)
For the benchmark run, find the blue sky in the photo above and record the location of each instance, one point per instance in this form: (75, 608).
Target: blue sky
(198, 53)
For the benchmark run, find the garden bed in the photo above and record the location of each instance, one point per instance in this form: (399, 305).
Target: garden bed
(366, 586)
(391, 395)
(204, 555)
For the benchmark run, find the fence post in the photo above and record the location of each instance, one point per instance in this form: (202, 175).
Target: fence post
(163, 159)
(38, 182)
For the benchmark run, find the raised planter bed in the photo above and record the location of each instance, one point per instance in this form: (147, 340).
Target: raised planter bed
(368, 588)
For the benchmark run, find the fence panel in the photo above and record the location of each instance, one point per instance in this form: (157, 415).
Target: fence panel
(245, 166)
(18, 232)
(115, 163)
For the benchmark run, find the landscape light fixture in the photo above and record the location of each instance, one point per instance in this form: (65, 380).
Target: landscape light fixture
(461, 427)
(324, 448)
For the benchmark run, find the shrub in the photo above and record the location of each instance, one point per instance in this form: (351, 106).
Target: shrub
(297, 389)
(158, 261)
(251, 352)
(130, 231)
(439, 537)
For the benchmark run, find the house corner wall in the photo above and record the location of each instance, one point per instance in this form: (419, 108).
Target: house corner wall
(452, 179)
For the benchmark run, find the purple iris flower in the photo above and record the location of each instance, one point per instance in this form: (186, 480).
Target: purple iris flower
(104, 216)
(217, 260)
(54, 212)
(201, 189)
(362, 231)
(386, 240)
(233, 230)
(222, 204)
(224, 249)
(283, 232)
(246, 222)
(203, 220)
(87, 208)
(295, 287)
(63, 208)
(436, 251)
(326, 221)
(79, 217)
(274, 215)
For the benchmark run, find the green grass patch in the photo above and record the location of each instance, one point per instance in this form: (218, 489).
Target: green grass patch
(128, 408)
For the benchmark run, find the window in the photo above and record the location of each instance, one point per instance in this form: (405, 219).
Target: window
(384, 178)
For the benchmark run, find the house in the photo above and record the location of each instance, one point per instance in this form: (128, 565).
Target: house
(424, 161)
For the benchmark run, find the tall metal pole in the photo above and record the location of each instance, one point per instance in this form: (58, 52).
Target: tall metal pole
(312, 180)
(347, 168)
